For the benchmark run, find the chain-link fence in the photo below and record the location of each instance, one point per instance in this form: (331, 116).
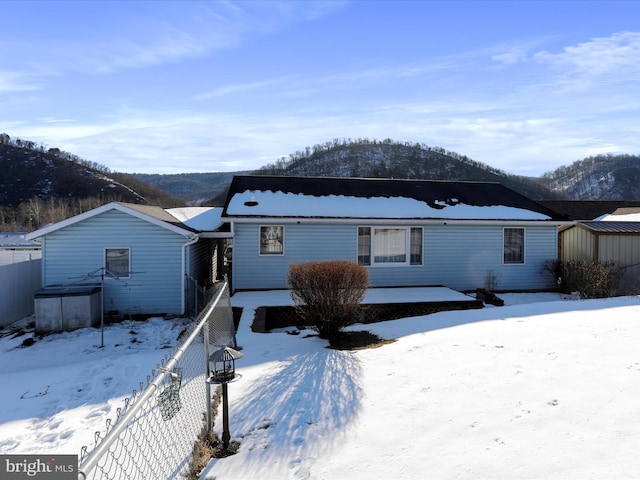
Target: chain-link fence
(154, 433)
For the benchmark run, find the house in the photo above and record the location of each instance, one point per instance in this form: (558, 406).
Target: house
(148, 260)
(462, 235)
(612, 238)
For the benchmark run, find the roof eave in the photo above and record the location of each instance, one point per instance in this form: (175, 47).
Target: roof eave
(102, 209)
(388, 221)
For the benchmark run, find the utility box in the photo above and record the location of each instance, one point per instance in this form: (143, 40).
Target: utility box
(65, 308)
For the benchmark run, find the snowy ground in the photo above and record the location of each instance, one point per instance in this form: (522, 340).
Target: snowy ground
(57, 392)
(544, 387)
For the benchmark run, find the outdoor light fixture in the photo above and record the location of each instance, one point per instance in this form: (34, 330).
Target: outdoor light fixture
(222, 365)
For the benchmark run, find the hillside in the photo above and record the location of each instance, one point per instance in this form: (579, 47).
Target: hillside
(389, 159)
(40, 186)
(361, 158)
(602, 177)
(29, 173)
(33, 173)
(194, 188)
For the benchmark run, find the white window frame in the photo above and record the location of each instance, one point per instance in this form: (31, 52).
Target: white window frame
(504, 246)
(267, 253)
(372, 246)
(111, 272)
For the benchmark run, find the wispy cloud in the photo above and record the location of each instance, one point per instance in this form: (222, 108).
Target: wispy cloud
(598, 56)
(183, 31)
(600, 63)
(11, 81)
(242, 88)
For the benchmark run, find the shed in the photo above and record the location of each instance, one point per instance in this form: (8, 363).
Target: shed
(149, 260)
(606, 241)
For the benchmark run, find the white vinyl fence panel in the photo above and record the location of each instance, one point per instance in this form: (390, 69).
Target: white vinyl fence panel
(19, 279)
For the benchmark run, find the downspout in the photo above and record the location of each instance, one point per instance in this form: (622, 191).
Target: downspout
(233, 257)
(193, 238)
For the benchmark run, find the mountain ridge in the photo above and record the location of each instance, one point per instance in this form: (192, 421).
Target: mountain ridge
(34, 175)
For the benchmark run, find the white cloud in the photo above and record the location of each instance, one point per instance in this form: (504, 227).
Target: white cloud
(510, 58)
(600, 55)
(11, 81)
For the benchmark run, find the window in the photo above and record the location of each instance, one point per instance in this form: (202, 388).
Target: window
(117, 262)
(390, 246)
(514, 245)
(364, 245)
(416, 246)
(272, 240)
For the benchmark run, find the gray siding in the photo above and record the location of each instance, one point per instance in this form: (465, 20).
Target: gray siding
(456, 256)
(155, 285)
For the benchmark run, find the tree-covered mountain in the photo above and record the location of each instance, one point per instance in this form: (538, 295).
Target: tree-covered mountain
(194, 188)
(36, 179)
(602, 177)
(41, 185)
(356, 158)
(389, 159)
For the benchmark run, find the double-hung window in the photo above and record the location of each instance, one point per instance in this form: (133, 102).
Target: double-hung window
(391, 246)
(513, 246)
(272, 240)
(117, 262)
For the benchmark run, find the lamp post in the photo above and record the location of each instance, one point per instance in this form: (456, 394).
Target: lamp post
(223, 371)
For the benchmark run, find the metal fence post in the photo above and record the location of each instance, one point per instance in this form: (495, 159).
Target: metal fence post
(205, 334)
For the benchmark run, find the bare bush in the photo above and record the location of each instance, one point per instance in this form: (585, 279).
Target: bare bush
(327, 294)
(590, 279)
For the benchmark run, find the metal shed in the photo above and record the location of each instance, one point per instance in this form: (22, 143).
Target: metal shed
(610, 241)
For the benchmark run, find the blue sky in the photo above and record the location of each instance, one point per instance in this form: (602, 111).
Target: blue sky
(203, 86)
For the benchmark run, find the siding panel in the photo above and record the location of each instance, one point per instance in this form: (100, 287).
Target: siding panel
(76, 252)
(456, 256)
(578, 244)
(624, 250)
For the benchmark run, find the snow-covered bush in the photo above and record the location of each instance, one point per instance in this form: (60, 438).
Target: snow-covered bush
(327, 294)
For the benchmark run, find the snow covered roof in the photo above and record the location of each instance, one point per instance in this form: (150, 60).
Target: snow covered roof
(17, 240)
(313, 197)
(198, 218)
(626, 214)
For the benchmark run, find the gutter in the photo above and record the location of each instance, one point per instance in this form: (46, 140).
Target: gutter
(395, 221)
(193, 238)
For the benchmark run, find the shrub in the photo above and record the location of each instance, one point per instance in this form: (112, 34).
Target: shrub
(590, 279)
(327, 294)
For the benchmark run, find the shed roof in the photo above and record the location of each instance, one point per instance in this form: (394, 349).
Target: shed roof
(613, 227)
(328, 197)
